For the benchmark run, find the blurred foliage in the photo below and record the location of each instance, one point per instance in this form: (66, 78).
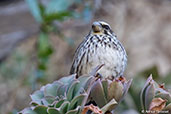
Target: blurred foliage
(45, 14)
(30, 67)
(10, 70)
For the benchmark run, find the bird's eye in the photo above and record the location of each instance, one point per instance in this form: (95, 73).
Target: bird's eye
(106, 27)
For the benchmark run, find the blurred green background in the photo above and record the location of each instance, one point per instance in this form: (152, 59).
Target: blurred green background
(38, 39)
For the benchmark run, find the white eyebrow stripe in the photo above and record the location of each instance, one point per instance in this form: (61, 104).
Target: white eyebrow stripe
(104, 23)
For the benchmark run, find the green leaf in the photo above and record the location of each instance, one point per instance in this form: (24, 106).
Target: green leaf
(61, 91)
(35, 103)
(35, 10)
(42, 10)
(149, 95)
(50, 90)
(71, 90)
(84, 82)
(127, 85)
(42, 66)
(57, 16)
(41, 109)
(163, 93)
(58, 5)
(57, 83)
(44, 47)
(27, 111)
(105, 84)
(142, 95)
(109, 106)
(115, 90)
(97, 94)
(59, 103)
(64, 107)
(68, 79)
(136, 87)
(77, 101)
(47, 100)
(37, 95)
(53, 111)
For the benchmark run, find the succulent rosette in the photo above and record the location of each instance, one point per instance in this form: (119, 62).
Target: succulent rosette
(107, 94)
(155, 98)
(70, 95)
(65, 96)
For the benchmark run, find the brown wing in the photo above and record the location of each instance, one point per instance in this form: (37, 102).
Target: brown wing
(77, 57)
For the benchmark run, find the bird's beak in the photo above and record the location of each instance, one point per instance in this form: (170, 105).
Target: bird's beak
(96, 27)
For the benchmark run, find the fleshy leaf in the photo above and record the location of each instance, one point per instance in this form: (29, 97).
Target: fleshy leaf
(64, 107)
(27, 111)
(105, 84)
(97, 94)
(109, 106)
(165, 94)
(77, 101)
(115, 90)
(71, 91)
(35, 103)
(84, 82)
(50, 90)
(41, 109)
(53, 111)
(149, 95)
(49, 99)
(37, 95)
(59, 103)
(61, 91)
(67, 80)
(142, 95)
(126, 88)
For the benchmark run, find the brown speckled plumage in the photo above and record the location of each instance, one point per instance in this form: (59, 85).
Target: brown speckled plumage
(100, 46)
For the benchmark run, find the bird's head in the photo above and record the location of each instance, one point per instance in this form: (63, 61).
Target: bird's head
(101, 27)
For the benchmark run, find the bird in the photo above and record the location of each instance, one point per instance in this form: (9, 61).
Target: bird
(100, 47)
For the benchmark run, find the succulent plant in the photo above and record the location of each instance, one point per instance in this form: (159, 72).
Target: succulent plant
(107, 94)
(155, 97)
(70, 95)
(65, 96)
